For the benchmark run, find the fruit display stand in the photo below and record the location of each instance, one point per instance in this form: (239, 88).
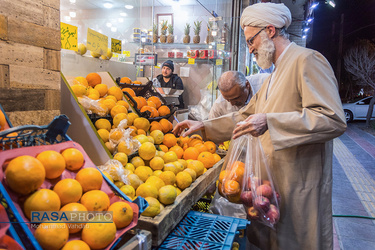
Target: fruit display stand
(161, 225)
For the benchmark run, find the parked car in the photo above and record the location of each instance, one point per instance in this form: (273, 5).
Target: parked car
(357, 109)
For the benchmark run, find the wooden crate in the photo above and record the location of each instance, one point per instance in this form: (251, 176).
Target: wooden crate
(161, 225)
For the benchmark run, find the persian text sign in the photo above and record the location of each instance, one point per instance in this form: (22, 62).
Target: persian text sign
(116, 46)
(69, 38)
(97, 42)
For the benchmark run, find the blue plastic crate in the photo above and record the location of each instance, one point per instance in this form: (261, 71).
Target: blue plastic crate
(32, 135)
(6, 117)
(204, 231)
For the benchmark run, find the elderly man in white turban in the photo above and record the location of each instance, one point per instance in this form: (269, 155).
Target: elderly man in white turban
(296, 114)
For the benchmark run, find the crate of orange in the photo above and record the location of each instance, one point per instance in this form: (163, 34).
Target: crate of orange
(61, 177)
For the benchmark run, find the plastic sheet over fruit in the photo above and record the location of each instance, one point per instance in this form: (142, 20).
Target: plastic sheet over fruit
(93, 106)
(246, 179)
(115, 169)
(123, 136)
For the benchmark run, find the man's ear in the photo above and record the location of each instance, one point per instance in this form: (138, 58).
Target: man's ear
(248, 86)
(271, 31)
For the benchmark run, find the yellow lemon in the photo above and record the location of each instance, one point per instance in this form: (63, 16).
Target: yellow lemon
(129, 167)
(115, 135)
(104, 134)
(102, 89)
(141, 123)
(192, 173)
(155, 181)
(147, 151)
(79, 90)
(170, 167)
(153, 208)
(157, 173)
(118, 109)
(178, 191)
(131, 118)
(158, 136)
(157, 163)
(179, 166)
(111, 97)
(143, 172)
(93, 92)
(167, 194)
(128, 190)
(151, 139)
(125, 147)
(137, 161)
(142, 138)
(197, 166)
(170, 156)
(123, 103)
(121, 157)
(119, 184)
(81, 80)
(183, 180)
(168, 177)
(109, 103)
(134, 180)
(103, 124)
(116, 92)
(108, 176)
(147, 190)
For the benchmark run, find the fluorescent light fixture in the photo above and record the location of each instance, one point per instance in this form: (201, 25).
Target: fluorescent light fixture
(113, 29)
(310, 20)
(107, 5)
(120, 20)
(72, 1)
(332, 3)
(68, 18)
(72, 14)
(108, 25)
(314, 5)
(214, 33)
(306, 29)
(123, 14)
(129, 7)
(304, 37)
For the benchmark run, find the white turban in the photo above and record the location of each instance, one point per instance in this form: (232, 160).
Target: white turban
(263, 14)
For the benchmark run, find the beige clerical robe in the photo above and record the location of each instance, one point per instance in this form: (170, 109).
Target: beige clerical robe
(304, 114)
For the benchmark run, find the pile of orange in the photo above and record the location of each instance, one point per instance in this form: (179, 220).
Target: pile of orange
(25, 174)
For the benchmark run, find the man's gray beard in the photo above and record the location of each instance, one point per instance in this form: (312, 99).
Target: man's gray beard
(266, 51)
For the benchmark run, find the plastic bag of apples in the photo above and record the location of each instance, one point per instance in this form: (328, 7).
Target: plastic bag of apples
(245, 178)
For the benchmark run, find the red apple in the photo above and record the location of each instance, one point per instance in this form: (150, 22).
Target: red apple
(262, 203)
(256, 182)
(264, 190)
(247, 198)
(278, 197)
(273, 214)
(253, 213)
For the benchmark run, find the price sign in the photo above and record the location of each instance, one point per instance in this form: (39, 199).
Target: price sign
(146, 59)
(220, 46)
(126, 53)
(219, 61)
(191, 61)
(69, 38)
(116, 46)
(97, 42)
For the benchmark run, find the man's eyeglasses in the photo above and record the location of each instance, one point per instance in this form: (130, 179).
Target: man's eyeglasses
(251, 39)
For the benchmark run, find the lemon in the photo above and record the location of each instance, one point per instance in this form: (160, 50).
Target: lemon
(125, 147)
(183, 180)
(158, 136)
(178, 191)
(118, 118)
(137, 161)
(167, 194)
(153, 208)
(141, 123)
(179, 166)
(131, 118)
(79, 90)
(103, 124)
(197, 166)
(115, 135)
(170, 156)
(147, 151)
(168, 177)
(118, 109)
(119, 184)
(123, 103)
(110, 147)
(121, 157)
(161, 153)
(170, 167)
(104, 134)
(134, 180)
(111, 97)
(157, 173)
(81, 80)
(151, 139)
(94, 54)
(94, 92)
(183, 162)
(116, 92)
(102, 89)
(157, 163)
(155, 181)
(142, 138)
(128, 190)
(109, 103)
(161, 207)
(108, 176)
(129, 167)
(192, 173)
(143, 172)
(81, 49)
(147, 190)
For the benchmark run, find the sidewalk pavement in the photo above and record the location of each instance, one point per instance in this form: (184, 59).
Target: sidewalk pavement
(353, 196)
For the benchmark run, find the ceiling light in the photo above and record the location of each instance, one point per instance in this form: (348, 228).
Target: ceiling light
(107, 5)
(113, 29)
(123, 14)
(332, 3)
(108, 25)
(314, 5)
(304, 36)
(72, 14)
(310, 20)
(129, 7)
(306, 29)
(72, 1)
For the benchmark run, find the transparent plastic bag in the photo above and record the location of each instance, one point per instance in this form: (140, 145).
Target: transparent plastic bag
(122, 135)
(245, 178)
(93, 106)
(115, 169)
(220, 205)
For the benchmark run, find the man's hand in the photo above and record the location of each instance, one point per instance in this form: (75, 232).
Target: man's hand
(255, 125)
(192, 126)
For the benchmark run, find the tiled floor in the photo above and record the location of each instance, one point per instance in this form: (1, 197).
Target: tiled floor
(354, 189)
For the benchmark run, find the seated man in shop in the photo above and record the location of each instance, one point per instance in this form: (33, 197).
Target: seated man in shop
(169, 80)
(236, 91)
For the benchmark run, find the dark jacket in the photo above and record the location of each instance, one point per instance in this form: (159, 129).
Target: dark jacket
(175, 83)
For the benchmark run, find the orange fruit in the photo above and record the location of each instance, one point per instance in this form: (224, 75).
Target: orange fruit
(211, 146)
(118, 109)
(222, 175)
(197, 166)
(166, 125)
(143, 101)
(194, 141)
(141, 132)
(164, 110)
(93, 79)
(138, 102)
(150, 109)
(201, 147)
(129, 90)
(95, 200)
(122, 214)
(74, 158)
(151, 104)
(68, 190)
(155, 100)
(123, 103)
(237, 171)
(76, 245)
(90, 179)
(134, 132)
(41, 200)
(178, 150)
(52, 235)
(216, 157)
(3, 121)
(207, 159)
(163, 148)
(126, 80)
(169, 140)
(155, 126)
(53, 162)
(24, 174)
(137, 82)
(98, 235)
(74, 207)
(191, 153)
